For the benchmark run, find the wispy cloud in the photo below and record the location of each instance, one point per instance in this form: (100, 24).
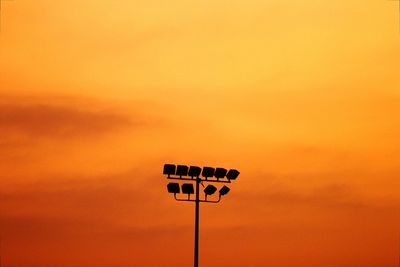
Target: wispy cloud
(109, 216)
(59, 120)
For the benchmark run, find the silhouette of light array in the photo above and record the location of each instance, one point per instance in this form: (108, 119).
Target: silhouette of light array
(195, 171)
(175, 188)
(186, 177)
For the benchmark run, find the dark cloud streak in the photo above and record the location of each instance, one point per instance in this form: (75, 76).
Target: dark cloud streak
(50, 120)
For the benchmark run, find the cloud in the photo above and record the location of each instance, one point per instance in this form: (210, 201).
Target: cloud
(58, 120)
(27, 123)
(329, 195)
(116, 201)
(120, 220)
(333, 197)
(110, 217)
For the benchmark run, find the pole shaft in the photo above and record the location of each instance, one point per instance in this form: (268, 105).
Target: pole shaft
(196, 226)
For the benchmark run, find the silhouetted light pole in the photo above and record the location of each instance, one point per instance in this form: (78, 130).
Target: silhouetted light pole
(197, 175)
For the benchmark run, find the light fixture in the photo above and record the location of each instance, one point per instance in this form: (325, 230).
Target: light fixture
(232, 174)
(173, 188)
(194, 171)
(182, 170)
(188, 189)
(208, 172)
(191, 175)
(210, 189)
(220, 173)
(169, 169)
(224, 190)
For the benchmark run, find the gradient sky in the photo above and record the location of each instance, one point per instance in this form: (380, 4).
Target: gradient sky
(302, 96)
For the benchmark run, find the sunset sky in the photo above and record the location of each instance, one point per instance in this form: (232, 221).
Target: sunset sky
(302, 96)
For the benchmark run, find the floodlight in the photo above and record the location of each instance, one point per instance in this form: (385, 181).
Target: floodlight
(232, 174)
(220, 173)
(210, 189)
(169, 169)
(187, 189)
(182, 170)
(194, 171)
(208, 172)
(173, 188)
(224, 190)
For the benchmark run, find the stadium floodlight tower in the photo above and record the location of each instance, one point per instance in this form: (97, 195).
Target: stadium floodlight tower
(193, 176)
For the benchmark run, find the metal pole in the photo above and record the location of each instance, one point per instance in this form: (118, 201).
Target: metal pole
(196, 226)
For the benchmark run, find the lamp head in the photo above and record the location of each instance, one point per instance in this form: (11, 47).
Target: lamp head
(194, 171)
(173, 188)
(187, 189)
(224, 190)
(232, 174)
(182, 170)
(208, 172)
(210, 189)
(220, 173)
(169, 169)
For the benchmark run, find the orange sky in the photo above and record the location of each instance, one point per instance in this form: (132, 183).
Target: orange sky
(301, 96)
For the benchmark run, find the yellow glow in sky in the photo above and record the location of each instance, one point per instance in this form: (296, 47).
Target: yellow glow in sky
(301, 96)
